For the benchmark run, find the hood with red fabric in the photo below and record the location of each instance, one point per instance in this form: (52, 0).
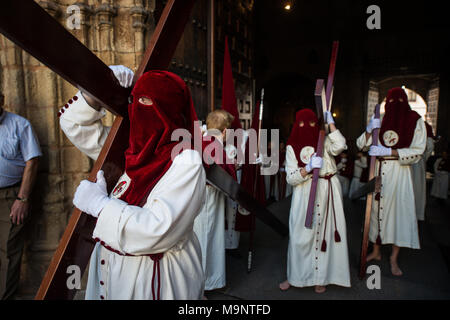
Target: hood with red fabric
(148, 156)
(304, 134)
(229, 101)
(399, 121)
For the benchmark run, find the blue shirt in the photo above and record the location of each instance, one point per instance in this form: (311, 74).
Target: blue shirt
(18, 144)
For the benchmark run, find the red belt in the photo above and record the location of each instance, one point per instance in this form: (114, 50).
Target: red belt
(156, 259)
(337, 237)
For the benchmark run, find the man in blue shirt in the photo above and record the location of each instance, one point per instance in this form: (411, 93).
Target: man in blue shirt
(19, 152)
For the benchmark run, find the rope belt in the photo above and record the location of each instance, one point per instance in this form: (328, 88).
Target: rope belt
(378, 197)
(337, 237)
(156, 270)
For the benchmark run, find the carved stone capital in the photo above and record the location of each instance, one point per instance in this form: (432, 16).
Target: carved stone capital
(139, 15)
(53, 9)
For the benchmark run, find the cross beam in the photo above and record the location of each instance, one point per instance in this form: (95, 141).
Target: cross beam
(323, 103)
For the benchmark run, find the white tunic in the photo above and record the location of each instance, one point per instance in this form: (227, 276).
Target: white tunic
(231, 235)
(418, 172)
(440, 182)
(307, 265)
(163, 224)
(209, 226)
(356, 183)
(397, 218)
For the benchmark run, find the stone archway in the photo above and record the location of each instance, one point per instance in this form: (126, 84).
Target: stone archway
(424, 86)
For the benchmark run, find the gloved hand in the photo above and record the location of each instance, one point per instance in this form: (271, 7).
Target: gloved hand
(243, 211)
(124, 75)
(380, 151)
(314, 162)
(373, 124)
(328, 117)
(91, 197)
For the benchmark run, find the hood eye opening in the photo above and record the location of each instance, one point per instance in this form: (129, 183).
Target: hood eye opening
(146, 101)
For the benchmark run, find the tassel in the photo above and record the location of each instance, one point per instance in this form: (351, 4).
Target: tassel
(337, 237)
(378, 240)
(377, 196)
(324, 246)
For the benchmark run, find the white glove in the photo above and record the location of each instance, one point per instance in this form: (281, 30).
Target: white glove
(314, 162)
(259, 160)
(243, 211)
(203, 129)
(91, 197)
(373, 124)
(380, 151)
(328, 117)
(124, 75)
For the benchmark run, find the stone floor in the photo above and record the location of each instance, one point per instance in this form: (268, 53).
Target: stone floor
(426, 271)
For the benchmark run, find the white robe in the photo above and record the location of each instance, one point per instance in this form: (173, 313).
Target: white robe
(307, 265)
(163, 224)
(440, 182)
(231, 235)
(209, 226)
(418, 173)
(356, 183)
(397, 218)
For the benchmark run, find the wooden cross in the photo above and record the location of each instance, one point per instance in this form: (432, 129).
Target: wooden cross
(369, 200)
(323, 103)
(29, 26)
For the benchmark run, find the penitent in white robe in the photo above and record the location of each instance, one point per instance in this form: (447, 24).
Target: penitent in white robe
(307, 265)
(440, 182)
(163, 224)
(356, 183)
(397, 216)
(231, 235)
(418, 173)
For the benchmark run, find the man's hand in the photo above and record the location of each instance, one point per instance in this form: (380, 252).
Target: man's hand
(314, 163)
(380, 151)
(19, 212)
(124, 75)
(91, 197)
(373, 124)
(328, 117)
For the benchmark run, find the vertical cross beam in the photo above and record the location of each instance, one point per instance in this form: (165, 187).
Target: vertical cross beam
(323, 103)
(369, 202)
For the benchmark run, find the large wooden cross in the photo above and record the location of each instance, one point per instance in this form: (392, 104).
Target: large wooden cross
(29, 26)
(323, 103)
(369, 200)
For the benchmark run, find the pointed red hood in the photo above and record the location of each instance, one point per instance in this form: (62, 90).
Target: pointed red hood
(229, 101)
